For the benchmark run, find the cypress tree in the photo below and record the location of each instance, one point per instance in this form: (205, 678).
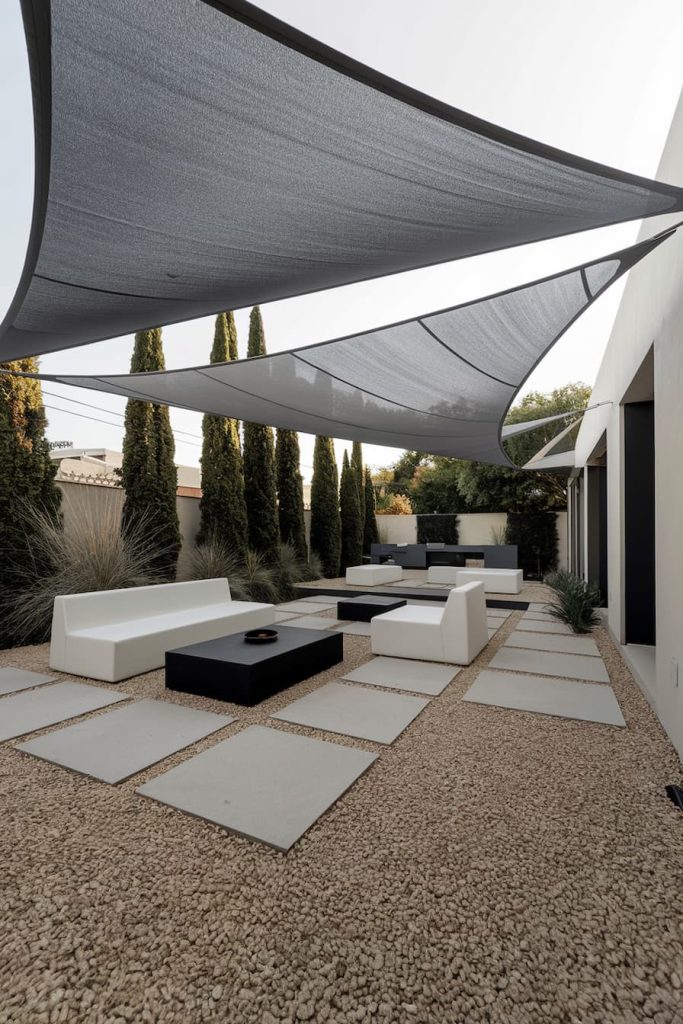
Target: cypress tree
(222, 509)
(325, 519)
(351, 522)
(232, 336)
(148, 472)
(290, 492)
(27, 474)
(259, 463)
(357, 467)
(370, 531)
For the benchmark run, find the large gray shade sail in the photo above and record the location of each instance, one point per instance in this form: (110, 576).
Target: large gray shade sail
(195, 156)
(441, 383)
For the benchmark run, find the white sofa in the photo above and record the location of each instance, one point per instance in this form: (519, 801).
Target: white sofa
(454, 634)
(496, 581)
(114, 634)
(373, 575)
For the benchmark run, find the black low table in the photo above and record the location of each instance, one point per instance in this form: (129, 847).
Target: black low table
(365, 606)
(232, 669)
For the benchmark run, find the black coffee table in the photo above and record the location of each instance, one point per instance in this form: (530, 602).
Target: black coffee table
(233, 670)
(365, 606)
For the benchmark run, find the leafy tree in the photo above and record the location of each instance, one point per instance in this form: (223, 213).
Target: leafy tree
(222, 508)
(357, 467)
(27, 476)
(259, 463)
(370, 531)
(394, 505)
(290, 492)
(456, 485)
(148, 472)
(325, 519)
(351, 521)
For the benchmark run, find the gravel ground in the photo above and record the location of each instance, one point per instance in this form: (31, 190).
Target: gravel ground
(492, 866)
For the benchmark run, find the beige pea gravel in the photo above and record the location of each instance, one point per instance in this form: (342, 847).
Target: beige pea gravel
(492, 866)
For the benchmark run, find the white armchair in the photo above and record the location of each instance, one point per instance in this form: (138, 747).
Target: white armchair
(455, 634)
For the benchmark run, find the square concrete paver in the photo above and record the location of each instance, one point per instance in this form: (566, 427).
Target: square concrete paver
(402, 674)
(284, 616)
(537, 606)
(550, 663)
(320, 598)
(313, 622)
(49, 705)
(354, 628)
(264, 784)
(14, 679)
(305, 607)
(354, 711)
(563, 697)
(122, 743)
(537, 626)
(553, 642)
(539, 617)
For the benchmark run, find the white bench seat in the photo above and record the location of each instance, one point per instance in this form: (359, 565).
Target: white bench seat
(373, 575)
(496, 581)
(111, 635)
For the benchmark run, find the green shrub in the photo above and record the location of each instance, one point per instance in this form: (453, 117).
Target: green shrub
(574, 602)
(535, 534)
(289, 570)
(251, 578)
(437, 529)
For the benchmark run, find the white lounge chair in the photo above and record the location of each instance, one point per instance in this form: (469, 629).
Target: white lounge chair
(454, 634)
(115, 634)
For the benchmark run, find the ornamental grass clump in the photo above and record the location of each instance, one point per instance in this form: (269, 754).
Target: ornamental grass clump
(89, 553)
(574, 601)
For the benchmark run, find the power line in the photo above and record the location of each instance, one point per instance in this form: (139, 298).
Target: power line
(110, 412)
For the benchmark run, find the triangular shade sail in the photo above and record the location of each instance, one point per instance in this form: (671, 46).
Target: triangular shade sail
(195, 156)
(441, 383)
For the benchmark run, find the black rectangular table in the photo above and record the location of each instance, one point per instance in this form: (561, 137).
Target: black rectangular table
(365, 606)
(231, 669)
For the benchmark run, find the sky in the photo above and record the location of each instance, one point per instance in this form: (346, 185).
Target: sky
(599, 79)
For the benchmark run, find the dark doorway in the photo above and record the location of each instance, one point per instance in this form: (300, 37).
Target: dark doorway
(596, 529)
(639, 524)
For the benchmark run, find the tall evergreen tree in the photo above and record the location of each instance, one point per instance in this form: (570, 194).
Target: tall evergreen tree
(222, 510)
(232, 336)
(27, 475)
(148, 472)
(325, 519)
(351, 522)
(259, 463)
(357, 467)
(370, 531)
(290, 492)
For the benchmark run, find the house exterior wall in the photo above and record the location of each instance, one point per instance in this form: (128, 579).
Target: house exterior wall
(650, 317)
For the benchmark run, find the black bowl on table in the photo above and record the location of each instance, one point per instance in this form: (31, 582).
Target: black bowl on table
(260, 636)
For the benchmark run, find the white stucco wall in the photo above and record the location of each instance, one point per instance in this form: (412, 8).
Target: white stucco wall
(650, 315)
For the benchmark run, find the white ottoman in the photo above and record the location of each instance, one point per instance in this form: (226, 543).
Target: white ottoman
(496, 581)
(373, 575)
(442, 574)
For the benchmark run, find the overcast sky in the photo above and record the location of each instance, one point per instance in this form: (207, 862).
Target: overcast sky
(600, 79)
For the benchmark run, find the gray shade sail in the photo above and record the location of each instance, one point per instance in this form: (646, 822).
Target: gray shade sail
(441, 383)
(193, 157)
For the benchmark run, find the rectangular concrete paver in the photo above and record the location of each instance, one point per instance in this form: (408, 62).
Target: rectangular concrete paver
(535, 626)
(49, 705)
(305, 607)
(402, 674)
(123, 742)
(354, 628)
(265, 784)
(14, 679)
(354, 711)
(550, 663)
(553, 642)
(565, 698)
(313, 622)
